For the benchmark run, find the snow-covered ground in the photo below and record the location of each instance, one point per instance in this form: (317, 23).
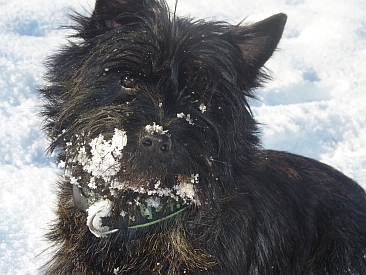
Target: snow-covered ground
(315, 105)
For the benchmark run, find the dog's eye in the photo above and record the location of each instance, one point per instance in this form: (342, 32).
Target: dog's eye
(129, 82)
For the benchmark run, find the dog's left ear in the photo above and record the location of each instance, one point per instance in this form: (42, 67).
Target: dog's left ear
(258, 41)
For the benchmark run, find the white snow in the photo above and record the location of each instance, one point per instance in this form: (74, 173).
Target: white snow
(155, 129)
(104, 162)
(96, 212)
(203, 108)
(315, 105)
(188, 117)
(153, 202)
(185, 190)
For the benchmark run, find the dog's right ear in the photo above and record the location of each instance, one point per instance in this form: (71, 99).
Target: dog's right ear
(107, 13)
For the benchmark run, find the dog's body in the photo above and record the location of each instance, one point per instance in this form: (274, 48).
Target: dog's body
(164, 169)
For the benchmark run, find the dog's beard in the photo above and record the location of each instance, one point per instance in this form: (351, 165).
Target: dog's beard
(104, 188)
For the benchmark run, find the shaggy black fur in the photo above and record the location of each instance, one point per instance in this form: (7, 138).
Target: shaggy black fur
(164, 172)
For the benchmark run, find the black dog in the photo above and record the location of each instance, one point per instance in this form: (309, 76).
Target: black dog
(164, 172)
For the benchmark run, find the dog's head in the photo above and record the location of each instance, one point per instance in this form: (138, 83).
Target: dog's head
(149, 112)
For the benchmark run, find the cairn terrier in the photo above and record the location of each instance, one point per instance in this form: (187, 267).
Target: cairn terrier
(163, 167)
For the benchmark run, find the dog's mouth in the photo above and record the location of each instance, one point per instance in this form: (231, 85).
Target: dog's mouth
(135, 208)
(117, 199)
(134, 216)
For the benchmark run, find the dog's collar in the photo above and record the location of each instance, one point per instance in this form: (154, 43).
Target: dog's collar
(82, 203)
(158, 220)
(99, 233)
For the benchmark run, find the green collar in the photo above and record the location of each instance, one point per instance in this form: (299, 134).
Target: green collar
(159, 220)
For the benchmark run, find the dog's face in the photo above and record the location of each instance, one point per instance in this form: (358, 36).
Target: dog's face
(150, 114)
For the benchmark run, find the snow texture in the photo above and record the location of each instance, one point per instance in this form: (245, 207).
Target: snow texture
(155, 129)
(203, 108)
(315, 106)
(104, 162)
(96, 212)
(188, 117)
(185, 189)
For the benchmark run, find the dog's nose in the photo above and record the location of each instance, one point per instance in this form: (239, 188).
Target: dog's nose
(157, 143)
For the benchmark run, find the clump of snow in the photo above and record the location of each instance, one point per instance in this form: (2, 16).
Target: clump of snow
(104, 161)
(153, 202)
(203, 108)
(96, 212)
(185, 190)
(155, 129)
(187, 117)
